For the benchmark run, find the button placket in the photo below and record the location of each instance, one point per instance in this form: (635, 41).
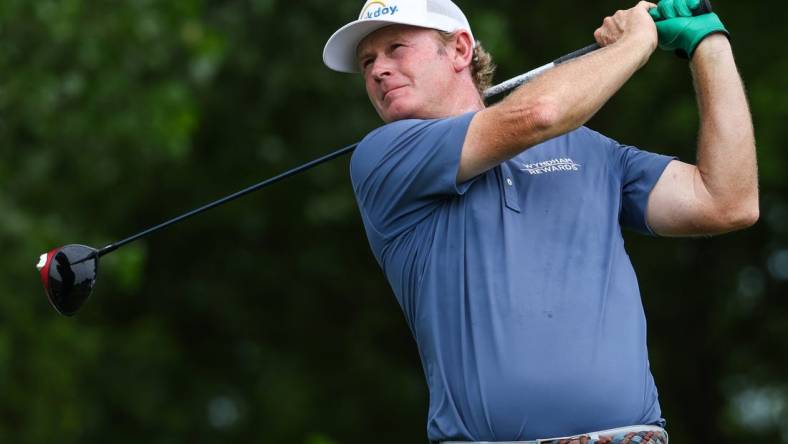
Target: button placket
(511, 195)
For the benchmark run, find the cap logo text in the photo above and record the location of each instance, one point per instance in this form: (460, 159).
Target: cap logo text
(369, 13)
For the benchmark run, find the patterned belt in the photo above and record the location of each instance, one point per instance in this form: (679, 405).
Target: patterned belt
(641, 434)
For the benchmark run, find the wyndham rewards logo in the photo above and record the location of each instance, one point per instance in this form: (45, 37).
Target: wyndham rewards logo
(550, 166)
(376, 9)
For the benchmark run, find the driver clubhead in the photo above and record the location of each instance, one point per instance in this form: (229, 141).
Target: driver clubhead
(68, 274)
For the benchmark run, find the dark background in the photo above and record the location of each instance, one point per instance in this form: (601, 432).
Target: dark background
(268, 320)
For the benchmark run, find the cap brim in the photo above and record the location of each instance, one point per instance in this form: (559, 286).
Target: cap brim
(339, 53)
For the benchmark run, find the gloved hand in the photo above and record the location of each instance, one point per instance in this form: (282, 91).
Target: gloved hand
(678, 30)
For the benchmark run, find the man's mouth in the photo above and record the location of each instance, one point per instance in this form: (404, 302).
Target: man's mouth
(386, 94)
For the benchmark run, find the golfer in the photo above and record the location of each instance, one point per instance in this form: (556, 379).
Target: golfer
(499, 228)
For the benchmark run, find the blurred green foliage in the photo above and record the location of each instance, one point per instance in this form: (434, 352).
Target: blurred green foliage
(268, 320)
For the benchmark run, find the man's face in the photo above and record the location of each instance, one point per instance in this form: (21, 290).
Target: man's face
(406, 72)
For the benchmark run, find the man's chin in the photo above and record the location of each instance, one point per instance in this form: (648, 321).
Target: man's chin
(396, 117)
(392, 114)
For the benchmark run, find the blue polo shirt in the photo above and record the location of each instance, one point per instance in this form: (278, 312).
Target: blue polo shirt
(515, 284)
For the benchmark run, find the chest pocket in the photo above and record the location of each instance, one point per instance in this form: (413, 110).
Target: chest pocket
(509, 186)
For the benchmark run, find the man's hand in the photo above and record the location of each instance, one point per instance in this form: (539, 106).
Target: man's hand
(634, 23)
(678, 30)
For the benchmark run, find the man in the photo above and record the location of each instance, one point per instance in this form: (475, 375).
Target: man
(499, 228)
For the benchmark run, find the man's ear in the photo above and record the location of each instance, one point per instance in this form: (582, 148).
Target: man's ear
(463, 50)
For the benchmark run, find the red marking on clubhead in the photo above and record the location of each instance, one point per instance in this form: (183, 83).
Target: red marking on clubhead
(44, 270)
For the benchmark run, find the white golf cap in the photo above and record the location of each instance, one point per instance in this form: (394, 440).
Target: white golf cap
(443, 15)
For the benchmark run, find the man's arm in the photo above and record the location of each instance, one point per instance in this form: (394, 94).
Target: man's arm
(720, 194)
(563, 98)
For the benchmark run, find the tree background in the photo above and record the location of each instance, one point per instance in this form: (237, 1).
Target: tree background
(268, 320)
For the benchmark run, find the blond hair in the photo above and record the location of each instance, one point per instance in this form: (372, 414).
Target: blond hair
(482, 66)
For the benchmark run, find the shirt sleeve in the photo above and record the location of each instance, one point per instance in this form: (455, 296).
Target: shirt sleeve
(639, 171)
(402, 171)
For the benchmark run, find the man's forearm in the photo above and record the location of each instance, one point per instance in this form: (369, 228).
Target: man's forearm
(567, 96)
(574, 91)
(564, 97)
(726, 147)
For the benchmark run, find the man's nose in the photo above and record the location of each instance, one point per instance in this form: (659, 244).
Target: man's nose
(380, 68)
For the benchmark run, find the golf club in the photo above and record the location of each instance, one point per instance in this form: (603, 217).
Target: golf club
(69, 273)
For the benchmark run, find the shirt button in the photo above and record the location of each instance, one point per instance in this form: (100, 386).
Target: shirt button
(508, 181)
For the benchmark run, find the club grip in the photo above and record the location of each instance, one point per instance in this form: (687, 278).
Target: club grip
(703, 8)
(576, 54)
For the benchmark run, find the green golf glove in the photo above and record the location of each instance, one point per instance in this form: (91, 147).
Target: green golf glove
(679, 31)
